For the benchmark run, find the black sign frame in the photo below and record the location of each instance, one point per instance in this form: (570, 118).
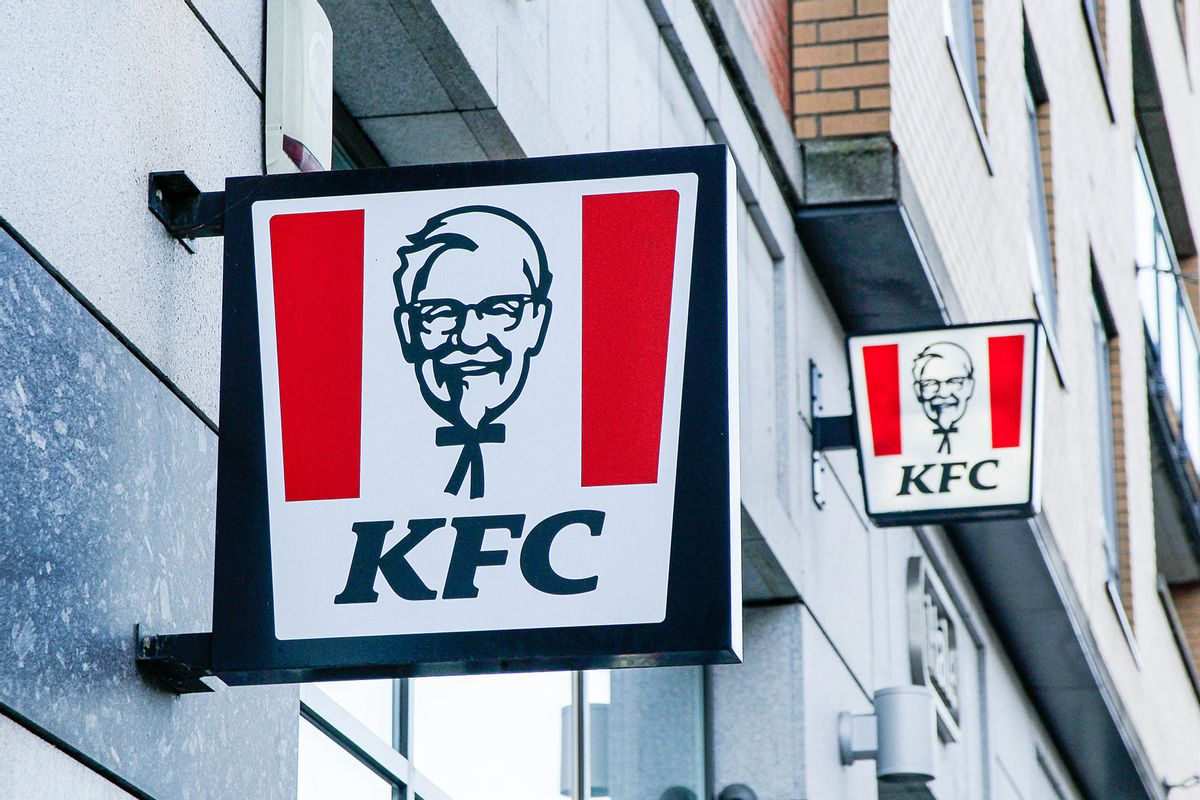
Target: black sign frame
(700, 625)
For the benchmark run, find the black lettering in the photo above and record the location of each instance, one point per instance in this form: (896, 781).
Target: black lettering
(908, 480)
(948, 475)
(973, 476)
(469, 555)
(369, 559)
(535, 553)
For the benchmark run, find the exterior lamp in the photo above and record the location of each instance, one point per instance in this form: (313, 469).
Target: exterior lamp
(899, 736)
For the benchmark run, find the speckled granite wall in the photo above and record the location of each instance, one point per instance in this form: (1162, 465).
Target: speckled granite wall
(107, 497)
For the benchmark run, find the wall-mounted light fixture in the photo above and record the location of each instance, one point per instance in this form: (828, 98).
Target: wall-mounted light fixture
(899, 736)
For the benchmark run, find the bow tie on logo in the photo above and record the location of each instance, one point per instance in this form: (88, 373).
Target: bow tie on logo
(938, 430)
(471, 456)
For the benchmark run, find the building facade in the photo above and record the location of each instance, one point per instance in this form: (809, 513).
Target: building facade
(900, 163)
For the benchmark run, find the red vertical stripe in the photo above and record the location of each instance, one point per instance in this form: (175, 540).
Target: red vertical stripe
(628, 264)
(317, 269)
(881, 362)
(1006, 368)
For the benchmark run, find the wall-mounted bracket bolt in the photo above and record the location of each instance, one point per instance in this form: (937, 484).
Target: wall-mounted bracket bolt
(181, 662)
(828, 433)
(185, 211)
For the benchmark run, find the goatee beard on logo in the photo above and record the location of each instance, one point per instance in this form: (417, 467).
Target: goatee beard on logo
(468, 398)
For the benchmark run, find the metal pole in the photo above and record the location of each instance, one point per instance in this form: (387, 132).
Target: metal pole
(581, 778)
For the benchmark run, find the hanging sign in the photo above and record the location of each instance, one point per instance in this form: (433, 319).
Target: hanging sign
(479, 417)
(947, 422)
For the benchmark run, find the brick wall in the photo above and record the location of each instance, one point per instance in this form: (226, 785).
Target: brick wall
(840, 61)
(767, 23)
(981, 59)
(1045, 142)
(1187, 606)
(1191, 282)
(1121, 490)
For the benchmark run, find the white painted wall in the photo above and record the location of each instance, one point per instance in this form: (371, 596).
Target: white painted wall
(96, 97)
(31, 767)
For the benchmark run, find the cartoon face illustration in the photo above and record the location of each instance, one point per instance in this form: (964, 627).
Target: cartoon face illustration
(473, 288)
(944, 380)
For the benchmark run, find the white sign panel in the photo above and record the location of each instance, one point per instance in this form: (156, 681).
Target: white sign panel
(947, 421)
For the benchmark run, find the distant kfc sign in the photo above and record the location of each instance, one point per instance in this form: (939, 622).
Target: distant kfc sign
(484, 413)
(948, 422)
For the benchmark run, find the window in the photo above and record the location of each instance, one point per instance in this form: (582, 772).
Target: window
(1110, 434)
(328, 770)
(1093, 13)
(1103, 349)
(965, 40)
(505, 737)
(491, 736)
(1174, 341)
(352, 149)
(1041, 205)
(1181, 18)
(647, 733)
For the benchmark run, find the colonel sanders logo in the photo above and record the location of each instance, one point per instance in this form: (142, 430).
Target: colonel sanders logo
(944, 380)
(473, 310)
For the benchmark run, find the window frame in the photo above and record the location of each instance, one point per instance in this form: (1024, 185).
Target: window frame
(376, 755)
(1180, 316)
(969, 79)
(1042, 269)
(1102, 337)
(1091, 11)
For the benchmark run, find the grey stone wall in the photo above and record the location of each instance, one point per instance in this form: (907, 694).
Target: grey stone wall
(106, 512)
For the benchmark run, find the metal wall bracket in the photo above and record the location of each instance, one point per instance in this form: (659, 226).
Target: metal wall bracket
(828, 433)
(858, 737)
(181, 662)
(184, 210)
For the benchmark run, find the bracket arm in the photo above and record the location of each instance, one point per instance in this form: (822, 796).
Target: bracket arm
(184, 210)
(828, 433)
(179, 661)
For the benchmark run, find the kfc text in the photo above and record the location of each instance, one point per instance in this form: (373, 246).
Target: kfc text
(466, 558)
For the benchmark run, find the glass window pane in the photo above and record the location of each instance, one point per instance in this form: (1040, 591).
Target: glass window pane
(1147, 246)
(962, 39)
(369, 701)
(328, 772)
(1143, 216)
(1169, 335)
(1147, 282)
(1038, 219)
(1104, 393)
(652, 743)
(490, 736)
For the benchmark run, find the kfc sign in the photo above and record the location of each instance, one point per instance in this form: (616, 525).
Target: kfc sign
(480, 416)
(947, 422)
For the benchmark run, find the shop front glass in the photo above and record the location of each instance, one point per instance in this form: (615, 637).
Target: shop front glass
(505, 737)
